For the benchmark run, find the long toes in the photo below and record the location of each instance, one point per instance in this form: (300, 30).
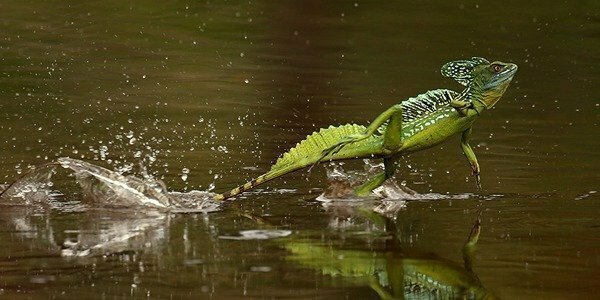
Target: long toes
(334, 150)
(337, 149)
(327, 151)
(331, 150)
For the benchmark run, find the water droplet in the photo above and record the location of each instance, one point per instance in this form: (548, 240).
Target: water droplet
(184, 174)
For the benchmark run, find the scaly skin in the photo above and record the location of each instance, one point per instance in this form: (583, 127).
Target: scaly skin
(416, 124)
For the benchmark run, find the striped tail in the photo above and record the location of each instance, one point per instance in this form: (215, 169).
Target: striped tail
(249, 185)
(308, 151)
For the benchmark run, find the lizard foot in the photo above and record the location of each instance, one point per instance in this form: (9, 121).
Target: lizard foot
(477, 180)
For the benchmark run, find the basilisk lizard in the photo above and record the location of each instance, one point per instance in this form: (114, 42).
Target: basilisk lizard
(413, 125)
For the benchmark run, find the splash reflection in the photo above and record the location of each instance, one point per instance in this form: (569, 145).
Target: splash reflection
(98, 233)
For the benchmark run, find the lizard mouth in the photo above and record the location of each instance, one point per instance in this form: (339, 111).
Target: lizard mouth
(503, 77)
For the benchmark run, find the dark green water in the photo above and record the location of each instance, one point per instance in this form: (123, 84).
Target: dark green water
(222, 89)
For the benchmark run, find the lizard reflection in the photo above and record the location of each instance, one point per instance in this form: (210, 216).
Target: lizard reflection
(393, 273)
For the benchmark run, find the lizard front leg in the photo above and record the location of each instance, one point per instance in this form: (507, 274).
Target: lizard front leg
(460, 106)
(466, 136)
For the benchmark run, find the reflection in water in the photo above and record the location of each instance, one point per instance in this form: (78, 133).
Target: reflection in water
(392, 271)
(395, 273)
(113, 233)
(99, 233)
(257, 234)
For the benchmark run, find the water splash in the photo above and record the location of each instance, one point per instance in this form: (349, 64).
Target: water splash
(102, 187)
(193, 201)
(342, 184)
(107, 188)
(33, 188)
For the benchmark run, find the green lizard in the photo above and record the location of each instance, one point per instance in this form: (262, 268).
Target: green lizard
(413, 125)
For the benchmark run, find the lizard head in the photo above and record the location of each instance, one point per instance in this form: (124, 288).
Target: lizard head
(485, 81)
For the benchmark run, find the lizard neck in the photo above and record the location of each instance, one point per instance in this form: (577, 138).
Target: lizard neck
(476, 97)
(479, 104)
(484, 99)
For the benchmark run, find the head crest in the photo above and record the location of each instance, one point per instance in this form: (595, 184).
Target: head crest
(461, 70)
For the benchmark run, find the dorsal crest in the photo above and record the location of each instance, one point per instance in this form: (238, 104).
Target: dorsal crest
(424, 104)
(461, 70)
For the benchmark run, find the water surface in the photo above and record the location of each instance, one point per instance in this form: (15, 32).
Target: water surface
(204, 96)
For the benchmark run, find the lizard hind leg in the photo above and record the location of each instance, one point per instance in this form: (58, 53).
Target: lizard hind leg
(377, 180)
(392, 137)
(392, 142)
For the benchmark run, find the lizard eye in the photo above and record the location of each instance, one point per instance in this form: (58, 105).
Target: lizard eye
(497, 68)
